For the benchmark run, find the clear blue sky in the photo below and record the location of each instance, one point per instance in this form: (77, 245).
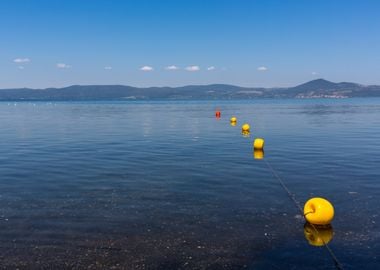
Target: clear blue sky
(243, 42)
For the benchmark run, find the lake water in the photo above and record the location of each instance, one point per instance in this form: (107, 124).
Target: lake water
(166, 185)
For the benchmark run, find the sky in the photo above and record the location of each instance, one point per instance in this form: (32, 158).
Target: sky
(257, 43)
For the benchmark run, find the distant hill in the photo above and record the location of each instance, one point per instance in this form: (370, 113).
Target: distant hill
(319, 88)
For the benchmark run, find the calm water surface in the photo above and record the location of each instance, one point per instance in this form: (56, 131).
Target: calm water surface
(165, 185)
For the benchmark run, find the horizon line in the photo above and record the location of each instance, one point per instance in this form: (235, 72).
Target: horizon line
(126, 85)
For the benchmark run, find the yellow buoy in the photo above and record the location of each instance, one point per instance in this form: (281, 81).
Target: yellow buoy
(258, 154)
(258, 144)
(233, 124)
(233, 119)
(318, 235)
(245, 128)
(318, 211)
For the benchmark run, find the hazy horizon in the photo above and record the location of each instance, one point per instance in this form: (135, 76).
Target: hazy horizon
(178, 86)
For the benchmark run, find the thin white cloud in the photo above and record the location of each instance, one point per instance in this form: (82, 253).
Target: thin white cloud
(211, 68)
(314, 73)
(146, 68)
(63, 65)
(193, 68)
(262, 68)
(172, 68)
(107, 68)
(21, 60)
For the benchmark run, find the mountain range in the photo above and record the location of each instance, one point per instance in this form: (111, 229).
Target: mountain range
(319, 88)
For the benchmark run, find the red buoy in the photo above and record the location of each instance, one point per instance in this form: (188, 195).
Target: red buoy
(217, 114)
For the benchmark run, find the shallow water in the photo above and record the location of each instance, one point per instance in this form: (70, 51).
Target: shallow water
(165, 185)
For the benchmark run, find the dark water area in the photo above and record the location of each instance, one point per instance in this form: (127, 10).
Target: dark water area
(166, 185)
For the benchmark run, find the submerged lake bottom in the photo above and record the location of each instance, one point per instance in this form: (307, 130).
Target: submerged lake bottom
(167, 185)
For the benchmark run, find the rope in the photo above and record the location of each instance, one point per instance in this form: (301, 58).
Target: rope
(338, 265)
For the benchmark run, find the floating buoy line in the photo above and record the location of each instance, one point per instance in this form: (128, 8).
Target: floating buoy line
(318, 212)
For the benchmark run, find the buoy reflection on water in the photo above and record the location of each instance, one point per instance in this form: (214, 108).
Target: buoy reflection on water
(258, 154)
(318, 235)
(245, 133)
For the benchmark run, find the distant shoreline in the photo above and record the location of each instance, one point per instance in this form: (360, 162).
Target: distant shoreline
(319, 88)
